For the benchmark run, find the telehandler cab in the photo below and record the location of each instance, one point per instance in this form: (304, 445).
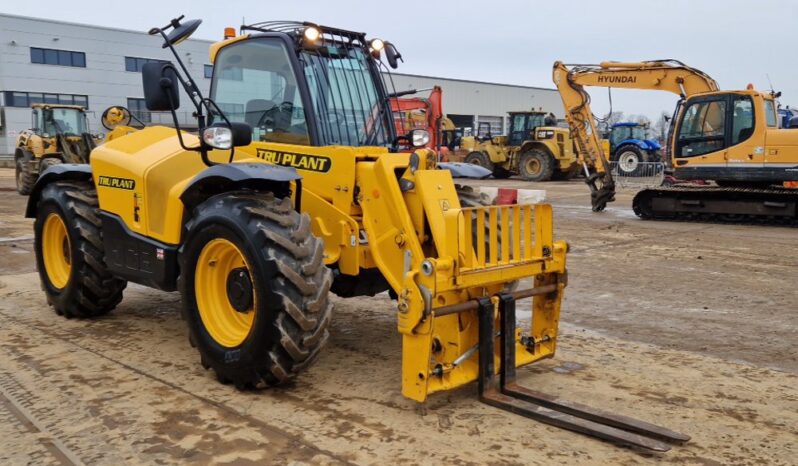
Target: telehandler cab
(293, 189)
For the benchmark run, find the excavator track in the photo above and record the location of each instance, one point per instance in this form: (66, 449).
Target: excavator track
(771, 206)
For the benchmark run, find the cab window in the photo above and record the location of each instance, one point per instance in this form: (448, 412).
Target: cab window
(742, 119)
(253, 82)
(770, 114)
(703, 128)
(518, 123)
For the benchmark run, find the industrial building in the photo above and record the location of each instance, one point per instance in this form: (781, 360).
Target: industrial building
(50, 61)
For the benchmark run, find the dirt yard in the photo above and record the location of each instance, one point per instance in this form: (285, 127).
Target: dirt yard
(692, 326)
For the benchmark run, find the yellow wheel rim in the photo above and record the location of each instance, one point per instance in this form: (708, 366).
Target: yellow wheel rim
(532, 166)
(218, 260)
(56, 251)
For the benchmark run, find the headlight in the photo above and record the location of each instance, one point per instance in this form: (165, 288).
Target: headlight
(419, 137)
(218, 137)
(312, 34)
(377, 45)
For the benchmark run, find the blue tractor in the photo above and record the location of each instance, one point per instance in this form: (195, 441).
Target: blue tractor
(629, 147)
(788, 117)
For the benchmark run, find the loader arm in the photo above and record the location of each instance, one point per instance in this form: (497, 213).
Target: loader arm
(662, 75)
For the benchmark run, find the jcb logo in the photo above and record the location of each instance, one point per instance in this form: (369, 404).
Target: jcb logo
(118, 183)
(617, 79)
(315, 163)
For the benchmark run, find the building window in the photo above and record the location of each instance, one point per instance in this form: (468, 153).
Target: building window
(26, 99)
(138, 108)
(208, 71)
(135, 63)
(57, 57)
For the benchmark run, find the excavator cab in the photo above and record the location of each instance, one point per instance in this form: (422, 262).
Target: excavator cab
(716, 133)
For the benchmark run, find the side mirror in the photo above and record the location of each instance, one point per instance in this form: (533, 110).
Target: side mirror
(179, 33)
(392, 55)
(182, 32)
(161, 92)
(221, 136)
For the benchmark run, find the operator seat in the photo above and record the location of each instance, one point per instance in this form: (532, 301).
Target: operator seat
(255, 110)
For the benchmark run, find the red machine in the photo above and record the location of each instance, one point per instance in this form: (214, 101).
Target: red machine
(421, 113)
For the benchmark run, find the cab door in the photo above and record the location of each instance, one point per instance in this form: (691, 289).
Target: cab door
(702, 137)
(518, 130)
(745, 150)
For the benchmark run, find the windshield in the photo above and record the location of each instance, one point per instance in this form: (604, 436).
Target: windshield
(345, 98)
(253, 82)
(64, 121)
(534, 121)
(639, 132)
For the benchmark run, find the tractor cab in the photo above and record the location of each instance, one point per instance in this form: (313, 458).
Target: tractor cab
(621, 132)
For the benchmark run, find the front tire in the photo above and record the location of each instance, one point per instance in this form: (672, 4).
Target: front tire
(536, 165)
(24, 175)
(479, 158)
(69, 252)
(254, 288)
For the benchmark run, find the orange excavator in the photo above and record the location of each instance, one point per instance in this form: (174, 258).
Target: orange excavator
(412, 113)
(421, 113)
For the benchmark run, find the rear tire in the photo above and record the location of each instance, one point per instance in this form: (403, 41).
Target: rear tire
(629, 160)
(73, 273)
(479, 158)
(536, 165)
(284, 283)
(25, 177)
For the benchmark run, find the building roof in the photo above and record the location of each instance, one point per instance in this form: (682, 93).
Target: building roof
(470, 81)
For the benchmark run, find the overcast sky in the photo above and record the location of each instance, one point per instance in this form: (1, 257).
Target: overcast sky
(514, 41)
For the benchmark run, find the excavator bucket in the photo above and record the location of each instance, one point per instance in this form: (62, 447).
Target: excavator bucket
(503, 392)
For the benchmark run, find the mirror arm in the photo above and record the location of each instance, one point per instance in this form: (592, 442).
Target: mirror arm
(188, 83)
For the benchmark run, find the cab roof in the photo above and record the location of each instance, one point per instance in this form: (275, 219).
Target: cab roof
(294, 29)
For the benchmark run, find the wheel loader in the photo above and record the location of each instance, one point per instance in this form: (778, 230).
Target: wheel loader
(59, 134)
(534, 150)
(293, 189)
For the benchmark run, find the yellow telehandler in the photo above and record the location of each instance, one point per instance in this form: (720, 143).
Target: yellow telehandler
(292, 189)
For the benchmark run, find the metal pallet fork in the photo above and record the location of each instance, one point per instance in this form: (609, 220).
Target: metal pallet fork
(503, 392)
